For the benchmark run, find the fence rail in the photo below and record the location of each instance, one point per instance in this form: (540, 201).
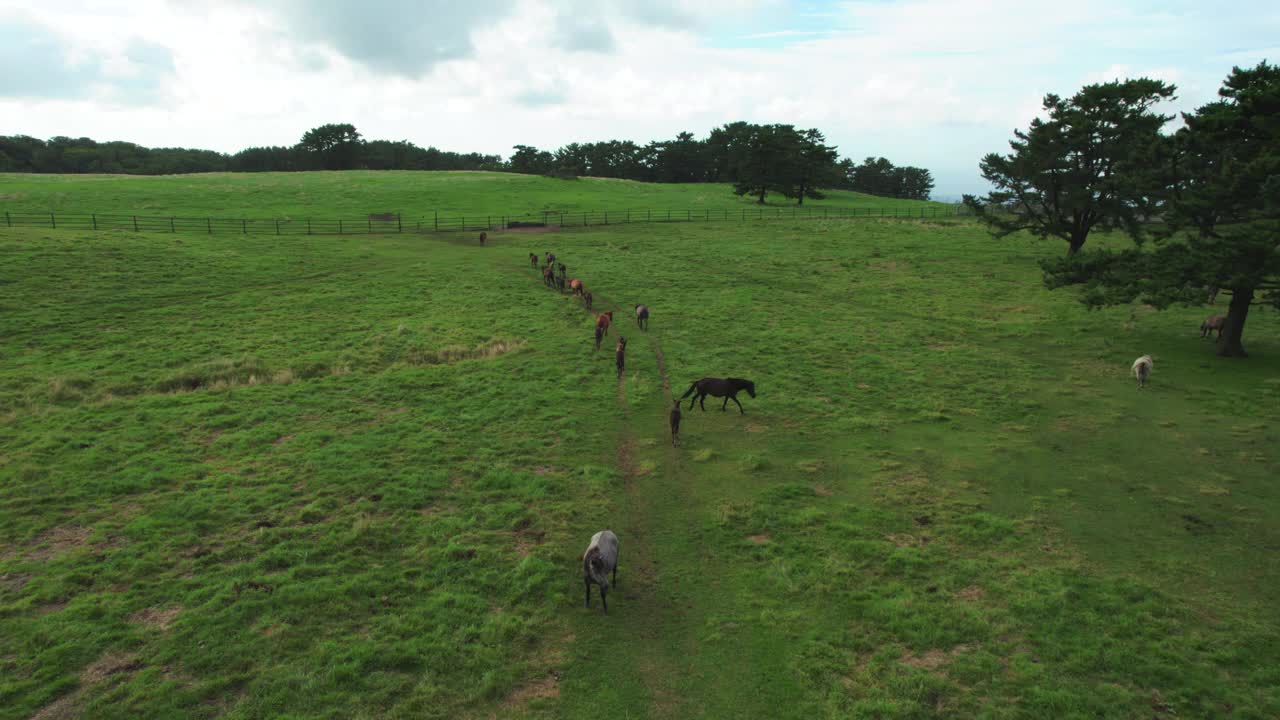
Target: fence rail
(387, 223)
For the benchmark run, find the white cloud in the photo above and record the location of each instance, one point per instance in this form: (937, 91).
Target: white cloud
(923, 82)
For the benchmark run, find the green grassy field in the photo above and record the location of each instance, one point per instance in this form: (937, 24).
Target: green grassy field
(355, 194)
(351, 477)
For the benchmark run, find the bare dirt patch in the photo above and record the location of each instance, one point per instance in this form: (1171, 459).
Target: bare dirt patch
(59, 540)
(13, 582)
(532, 229)
(759, 539)
(156, 618)
(933, 659)
(973, 593)
(822, 490)
(547, 687)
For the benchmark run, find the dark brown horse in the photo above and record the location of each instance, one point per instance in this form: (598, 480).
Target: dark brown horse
(1211, 323)
(560, 283)
(599, 336)
(603, 320)
(551, 258)
(642, 316)
(548, 277)
(620, 355)
(587, 299)
(483, 236)
(727, 388)
(675, 423)
(533, 260)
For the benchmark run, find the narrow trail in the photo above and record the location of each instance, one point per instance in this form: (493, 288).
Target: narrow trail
(643, 658)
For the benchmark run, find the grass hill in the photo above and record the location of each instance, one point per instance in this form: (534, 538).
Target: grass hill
(351, 477)
(358, 193)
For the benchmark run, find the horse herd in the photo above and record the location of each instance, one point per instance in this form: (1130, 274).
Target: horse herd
(600, 560)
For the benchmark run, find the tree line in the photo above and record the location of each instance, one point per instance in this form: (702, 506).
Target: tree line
(756, 159)
(1202, 204)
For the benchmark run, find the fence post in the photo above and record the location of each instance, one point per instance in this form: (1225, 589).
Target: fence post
(668, 216)
(135, 223)
(648, 215)
(488, 221)
(339, 227)
(53, 222)
(95, 221)
(628, 217)
(688, 215)
(277, 226)
(308, 226)
(606, 217)
(208, 224)
(435, 219)
(8, 220)
(399, 223)
(464, 223)
(172, 229)
(244, 226)
(369, 230)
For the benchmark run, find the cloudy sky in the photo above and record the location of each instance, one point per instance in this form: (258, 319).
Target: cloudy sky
(931, 83)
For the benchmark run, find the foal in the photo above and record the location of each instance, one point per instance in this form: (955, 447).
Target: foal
(642, 316)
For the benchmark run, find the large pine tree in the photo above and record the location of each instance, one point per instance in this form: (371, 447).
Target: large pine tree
(1087, 167)
(1223, 214)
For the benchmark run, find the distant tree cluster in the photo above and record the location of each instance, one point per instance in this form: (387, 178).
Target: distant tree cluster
(756, 159)
(1202, 204)
(328, 147)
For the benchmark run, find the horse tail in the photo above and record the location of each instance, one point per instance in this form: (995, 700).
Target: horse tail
(687, 393)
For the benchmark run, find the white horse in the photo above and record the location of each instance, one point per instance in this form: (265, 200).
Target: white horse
(1142, 369)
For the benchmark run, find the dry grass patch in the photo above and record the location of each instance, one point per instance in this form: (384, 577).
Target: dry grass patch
(458, 353)
(56, 541)
(156, 618)
(973, 593)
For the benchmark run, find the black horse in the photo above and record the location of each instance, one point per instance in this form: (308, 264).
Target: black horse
(727, 388)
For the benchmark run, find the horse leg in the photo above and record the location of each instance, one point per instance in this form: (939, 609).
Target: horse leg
(724, 404)
(702, 400)
(587, 582)
(735, 401)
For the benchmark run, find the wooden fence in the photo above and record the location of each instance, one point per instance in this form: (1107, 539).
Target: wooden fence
(384, 223)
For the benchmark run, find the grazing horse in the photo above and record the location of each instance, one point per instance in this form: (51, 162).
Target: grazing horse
(575, 285)
(1213, 322)
(603, 320)
(675, 423)
(551, 258)
(600, 559)
(483, 236)
(548, 277)
(727, 388)
(1142, 370)
(587, 299)
(642, 316)
(620, 355)
(533, 260)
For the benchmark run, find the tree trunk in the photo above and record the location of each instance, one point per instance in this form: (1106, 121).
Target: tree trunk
(801, 200)
(762, 192)
(1229, 344)
(1074, 244)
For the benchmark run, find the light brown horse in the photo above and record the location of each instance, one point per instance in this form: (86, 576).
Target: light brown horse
(603, 320)
(1211, 323)
(576, 286)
